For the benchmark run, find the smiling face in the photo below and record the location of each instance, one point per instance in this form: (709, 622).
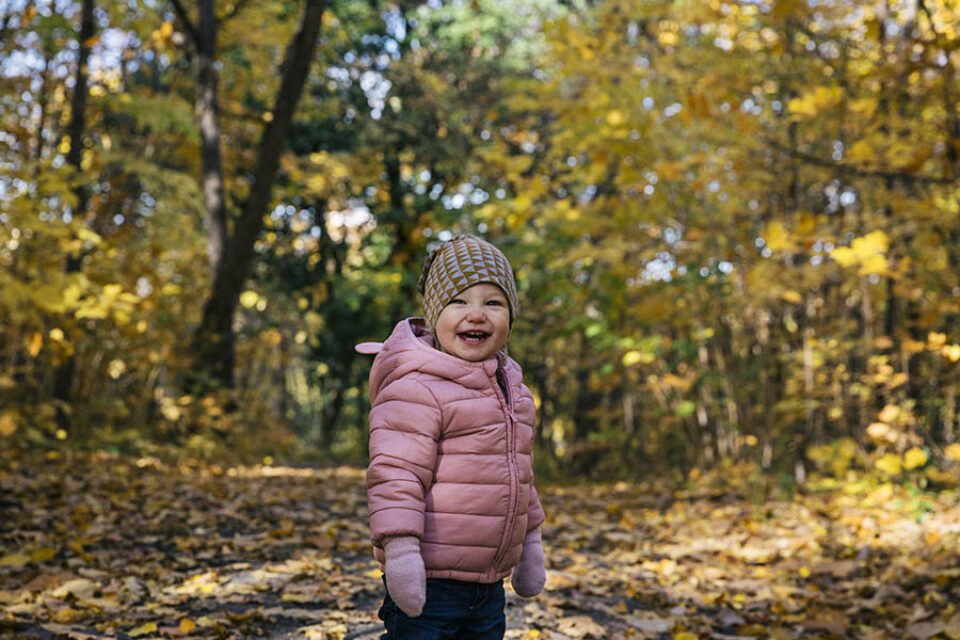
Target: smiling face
(475, 324)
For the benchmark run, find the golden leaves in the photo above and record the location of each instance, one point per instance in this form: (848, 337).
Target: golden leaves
(889, 463)
(249, 299)
(778, 238)
(812, 103)
(615, 118)
(8, 424)
(893, 464)
(914, 458)
(142, 630)
(889, 413)
(793, 297)
(868, 253)
(633, 357)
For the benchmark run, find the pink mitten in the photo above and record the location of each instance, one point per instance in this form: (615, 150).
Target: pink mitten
(405, 574)
(529, 575)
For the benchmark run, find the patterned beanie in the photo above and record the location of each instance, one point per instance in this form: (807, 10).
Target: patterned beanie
(459, 264)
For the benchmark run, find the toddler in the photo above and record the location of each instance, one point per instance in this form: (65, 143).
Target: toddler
(450, 483)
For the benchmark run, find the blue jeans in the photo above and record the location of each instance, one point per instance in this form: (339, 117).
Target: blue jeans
(454, 609)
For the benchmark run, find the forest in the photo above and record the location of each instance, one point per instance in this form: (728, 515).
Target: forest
(735, 230)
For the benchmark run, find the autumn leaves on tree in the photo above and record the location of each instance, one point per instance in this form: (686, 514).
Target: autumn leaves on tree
(734, 224)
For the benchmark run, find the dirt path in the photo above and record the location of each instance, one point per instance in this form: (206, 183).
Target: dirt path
(97, 547)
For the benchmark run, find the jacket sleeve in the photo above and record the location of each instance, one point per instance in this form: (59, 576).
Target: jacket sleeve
(535, 514)
(404, 428)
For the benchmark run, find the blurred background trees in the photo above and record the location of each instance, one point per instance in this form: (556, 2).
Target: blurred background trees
(734, 224)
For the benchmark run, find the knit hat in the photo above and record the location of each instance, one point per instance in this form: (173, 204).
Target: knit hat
(459, 264)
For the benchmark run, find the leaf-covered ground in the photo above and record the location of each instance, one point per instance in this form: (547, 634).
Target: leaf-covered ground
(96, 547)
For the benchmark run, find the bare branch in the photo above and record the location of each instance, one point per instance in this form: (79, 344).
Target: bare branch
(238, 6)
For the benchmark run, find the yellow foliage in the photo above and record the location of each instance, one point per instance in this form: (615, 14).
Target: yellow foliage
(116, 368)
(86, 235)
(914, 458)
(882, 432)
(34, 343)
(778, 238)
(936, 340)
(675, 381)
(952, 452)
(873, 264)
(889, 413)
(806, 224)
(615, 118)
(874, 242)
(316, 183)
(861, 151)
(909, 345)
(890, 464)
(49, 298)
(633, 357)
(869, 252)
(836, 457)
(951, 352)
(883, 342)
(863, 107)
(8, 424)
(814, 102)
(844, 256)
(667, 38)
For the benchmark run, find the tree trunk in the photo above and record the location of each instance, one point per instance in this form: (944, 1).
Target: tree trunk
(208, 117)
(44, 101)
(213, 341)
(63, 378)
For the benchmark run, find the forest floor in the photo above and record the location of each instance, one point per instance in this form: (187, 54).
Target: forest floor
(99, 546)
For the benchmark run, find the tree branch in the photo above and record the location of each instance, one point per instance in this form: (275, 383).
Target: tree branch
(847, 169)
(214, 338)
(239, 6)
(188, 25)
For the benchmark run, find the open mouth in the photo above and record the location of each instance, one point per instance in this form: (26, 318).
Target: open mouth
(473, 337)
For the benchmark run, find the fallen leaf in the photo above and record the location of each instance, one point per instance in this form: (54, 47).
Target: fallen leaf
(651, 625)
(14, 560)
(68, 631)
(142, 630)
(924, 630)
(80, 588)
(580, 627)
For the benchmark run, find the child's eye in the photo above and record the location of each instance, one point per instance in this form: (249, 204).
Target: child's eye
(495, 303)
(457, 301)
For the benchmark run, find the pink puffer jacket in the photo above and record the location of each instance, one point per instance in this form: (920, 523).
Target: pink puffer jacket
(450, 456)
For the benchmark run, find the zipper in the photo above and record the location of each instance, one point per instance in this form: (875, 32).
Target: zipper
(504, 387)
(511, 466)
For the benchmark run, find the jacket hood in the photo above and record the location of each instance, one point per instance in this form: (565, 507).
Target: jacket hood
(410, 348)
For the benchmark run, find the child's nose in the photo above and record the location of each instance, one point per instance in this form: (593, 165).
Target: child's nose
(475, 314)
